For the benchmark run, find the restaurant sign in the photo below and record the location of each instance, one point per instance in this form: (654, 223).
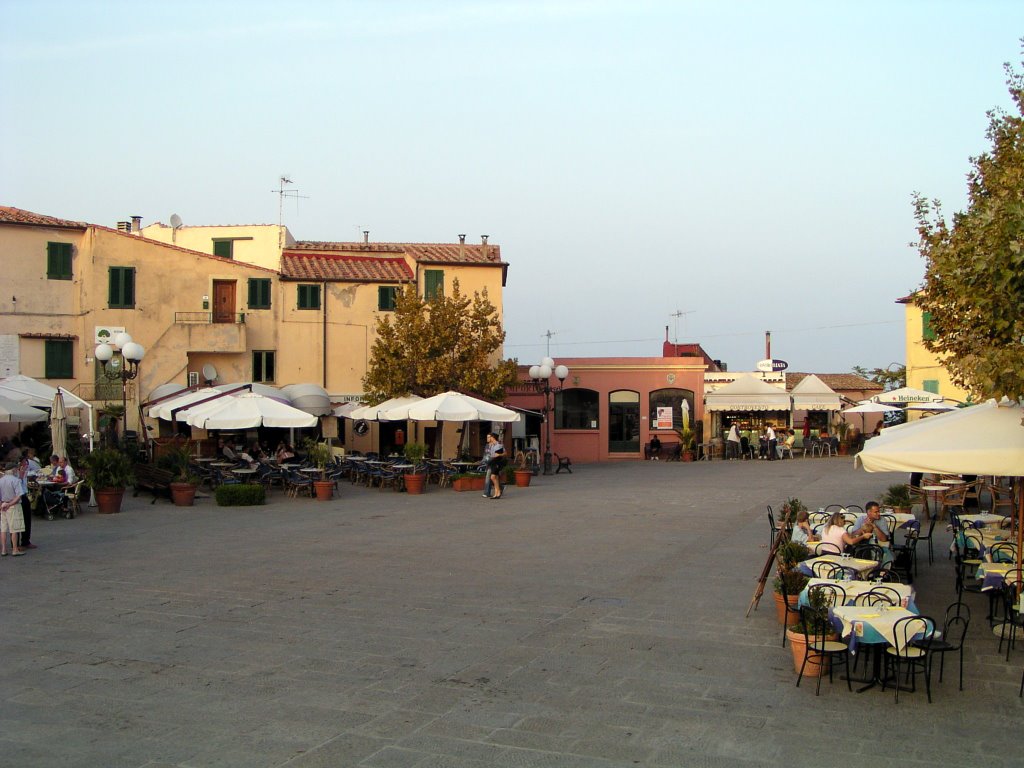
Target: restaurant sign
(772, 366)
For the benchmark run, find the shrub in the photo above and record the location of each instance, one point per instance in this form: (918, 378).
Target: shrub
(240, 495)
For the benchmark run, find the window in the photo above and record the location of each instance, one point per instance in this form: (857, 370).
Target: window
(576, 409)
(671, 398)
(386, 295)
(259, 293)
(927, 332)
(263, 366)
(433, 284)
(59, 356)
(224, 248)
(122, 288)
(931, 385)
(58, 261)
(309, 297)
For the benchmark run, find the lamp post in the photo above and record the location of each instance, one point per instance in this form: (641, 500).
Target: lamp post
(131, 356)
(541, 378)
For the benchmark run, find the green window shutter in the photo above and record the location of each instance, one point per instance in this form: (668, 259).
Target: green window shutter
(223, 248)
(59, 359)
(386, 298)
(121, 294)
(931, 385)
(433, 284)
(58, 261)
(259, 293)
(114, 290)
(309, 297)
(927, 332)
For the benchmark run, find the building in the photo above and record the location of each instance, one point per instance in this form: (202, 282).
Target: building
(924, 368)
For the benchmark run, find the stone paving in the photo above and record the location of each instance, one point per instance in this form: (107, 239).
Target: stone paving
(593, 619)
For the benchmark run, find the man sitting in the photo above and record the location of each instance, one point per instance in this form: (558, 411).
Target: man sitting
(655, 450)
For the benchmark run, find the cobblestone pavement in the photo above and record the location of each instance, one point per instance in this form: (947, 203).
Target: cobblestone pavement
(593, 619)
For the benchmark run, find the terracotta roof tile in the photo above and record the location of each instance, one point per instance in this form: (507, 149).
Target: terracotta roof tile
(345, 267)
(837, 381)
(9, 215)
(424, 253)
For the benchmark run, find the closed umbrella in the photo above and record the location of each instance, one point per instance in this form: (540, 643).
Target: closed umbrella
(58, 426)
(248, 411)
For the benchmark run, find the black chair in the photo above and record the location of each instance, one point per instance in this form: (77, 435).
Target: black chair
(790, 607)
(904, 558)
(828, 594)
(1012, 616)
(820, 649)
(823, 569)
(954, 630)
(915, 634)
(869, 552)
(772, 529)
(928, 537)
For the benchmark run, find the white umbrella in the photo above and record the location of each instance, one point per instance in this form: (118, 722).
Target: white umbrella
(345, 410)
(164, 410)
(12, 410)
(27, 390)
(375, 412)
(943, 406)
(248, 411)
(454, 406)
(259, 389)
(905, 395)
(866, 406)
(58, 426)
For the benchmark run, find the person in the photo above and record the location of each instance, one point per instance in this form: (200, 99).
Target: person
(29, 467)
(655, 448)
(807, 430)
(872, 522)
(284, 452)
(495, 455)
(54, 465)
(802, 532)
(255, 451)
(11, 518)
(226, 450)
(773, 442)
(787, 443)
(732, 443)
(67, 472)
(835, 533)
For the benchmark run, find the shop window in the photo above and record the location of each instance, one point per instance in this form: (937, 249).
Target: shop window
(309, 297)
(576, 409)
(59, 357)
(259, 293)
(121, 294)
(58, 261)
(670, 398)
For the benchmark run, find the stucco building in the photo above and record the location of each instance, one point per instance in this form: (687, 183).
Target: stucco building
(924, 368)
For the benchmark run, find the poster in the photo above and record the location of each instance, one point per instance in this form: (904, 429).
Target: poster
(664, 418)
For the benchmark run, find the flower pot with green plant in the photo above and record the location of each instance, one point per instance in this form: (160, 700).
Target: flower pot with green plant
(108, 472)
(898, 497)
(321, 455)
(687, 443)
(415, 479)
(817, 622)
(789, 581)
(842, 431)
(176, 458)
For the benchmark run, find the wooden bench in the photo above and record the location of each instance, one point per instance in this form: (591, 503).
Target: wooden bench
(153, 479)
(669, 451)
(564, 462)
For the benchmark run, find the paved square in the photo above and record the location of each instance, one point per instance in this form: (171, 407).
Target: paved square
(593, 619)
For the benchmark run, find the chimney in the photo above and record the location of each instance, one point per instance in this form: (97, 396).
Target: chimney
(124, 226)
(136, 224)
(366, 237)
(462, 246)
(462, 239)
(483, 239)
(767, 345)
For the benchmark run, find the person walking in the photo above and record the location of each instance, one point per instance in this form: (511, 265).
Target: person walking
(495, 455)
(732, 443)
(11, 519)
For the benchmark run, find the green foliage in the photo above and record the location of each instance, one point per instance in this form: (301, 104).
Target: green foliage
(175, 458)
(108, 468)
(414, 452)
(974, 279)
(686, 438)
(896, 496)
(892, 377)
(447, 343)
(240, 495)
(320, 454)
(788, 557)
(816, 614)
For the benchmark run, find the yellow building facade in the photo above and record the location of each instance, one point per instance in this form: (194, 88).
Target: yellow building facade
(924, 368)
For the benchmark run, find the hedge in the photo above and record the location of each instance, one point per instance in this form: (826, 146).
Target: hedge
(240, 495)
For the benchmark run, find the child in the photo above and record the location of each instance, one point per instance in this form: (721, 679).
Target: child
(802, 530)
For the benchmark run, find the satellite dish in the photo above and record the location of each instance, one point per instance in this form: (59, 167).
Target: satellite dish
(175, 220)
(209, 372)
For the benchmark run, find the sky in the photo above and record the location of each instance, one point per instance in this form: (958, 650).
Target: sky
(748, 164)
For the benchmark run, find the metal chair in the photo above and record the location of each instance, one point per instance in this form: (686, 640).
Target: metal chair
(820, 649)
(954, 631)
(914, 636)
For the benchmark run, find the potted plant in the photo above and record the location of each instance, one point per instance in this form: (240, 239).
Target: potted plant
(176, 458)
(818, 622)
(468, 481)
(521, 472)
(321, 455)
(686, 442)
(416, 479)
(842, 431)
(897, 497)
(108, 473)
(789, 581)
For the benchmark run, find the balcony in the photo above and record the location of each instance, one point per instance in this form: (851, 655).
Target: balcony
(209, 332)
(206, 318)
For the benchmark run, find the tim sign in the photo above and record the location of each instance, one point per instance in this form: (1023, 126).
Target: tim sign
(772, 366)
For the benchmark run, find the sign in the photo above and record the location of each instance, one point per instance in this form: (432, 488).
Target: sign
(772, 366)
(104, 333)
(9, 358)
(329, 426)
(663, 420)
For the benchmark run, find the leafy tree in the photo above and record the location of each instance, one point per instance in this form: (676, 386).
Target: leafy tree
(974, 281)
(892, 377)
(446, 343)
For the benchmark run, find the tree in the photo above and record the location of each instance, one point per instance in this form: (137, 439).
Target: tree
(974, 280)
(446, 343)
(892, 377)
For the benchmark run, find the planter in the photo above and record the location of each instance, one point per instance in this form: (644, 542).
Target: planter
(780, 611)
(798, 647)
(183, 494)
(844, 449)
(686, 456)
(324, 489)
(108, 500)
(414, 484)
(523, 478)
(468, 483)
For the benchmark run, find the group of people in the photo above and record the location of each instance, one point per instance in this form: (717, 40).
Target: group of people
(255, 452)
(15, 504)
(868, 528)
(769, 447)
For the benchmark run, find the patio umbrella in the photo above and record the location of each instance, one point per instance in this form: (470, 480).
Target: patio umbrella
(58, 426)
(28, 391)
(905, 395)
(943, 406)
(248, 411)
(374, 412)
(12, 410)
(866, 406)
(453, 406)
(259, 389)
(345, 410)
(164, 410)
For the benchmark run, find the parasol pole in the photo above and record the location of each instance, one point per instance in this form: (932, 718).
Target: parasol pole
(1020, 528)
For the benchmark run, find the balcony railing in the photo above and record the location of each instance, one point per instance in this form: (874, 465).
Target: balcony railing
(205, 318)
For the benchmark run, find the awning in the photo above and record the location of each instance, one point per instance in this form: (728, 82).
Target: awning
(747, 394)
(813, 394)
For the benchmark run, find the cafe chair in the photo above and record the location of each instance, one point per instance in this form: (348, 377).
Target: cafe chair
(1003, 552)
(1013, 619)
(954, 630)
(882, 595)
(74, 495)
(823, 569)
(1002, 500)
(822, 650)
(915, 634)
(790, 606)
(869, 552)
(829, 594)
(828, 548)
(928, 537)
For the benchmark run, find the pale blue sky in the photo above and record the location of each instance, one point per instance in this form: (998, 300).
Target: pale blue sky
(749, 162)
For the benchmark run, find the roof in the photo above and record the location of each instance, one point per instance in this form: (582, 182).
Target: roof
(424, 253)
(747, 394)
(9, 215)
(813, 394)
(344, 268)
(835, 381)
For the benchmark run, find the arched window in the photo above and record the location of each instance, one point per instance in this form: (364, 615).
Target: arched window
(576, 409)
(670, 397)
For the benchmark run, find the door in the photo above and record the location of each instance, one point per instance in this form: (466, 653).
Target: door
(223, 301)
(624, 422)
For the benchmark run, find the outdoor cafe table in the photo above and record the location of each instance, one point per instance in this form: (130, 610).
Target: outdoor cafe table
(222, 464)
(869, 625)
(993, 575)
(244, 471)
(932, 491)
(860, 566)
(855, 588)
(985, 518)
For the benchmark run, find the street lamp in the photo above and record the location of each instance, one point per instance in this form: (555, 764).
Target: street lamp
(541, 378)
(124, 371)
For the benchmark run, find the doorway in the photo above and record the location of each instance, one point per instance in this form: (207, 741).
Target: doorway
(624, 422)
(223, 301)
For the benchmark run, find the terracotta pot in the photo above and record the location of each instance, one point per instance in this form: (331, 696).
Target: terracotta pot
(780, 611)
(844, 449)
(108, 500)
(523, 478)
(687, 456)
(798, 647)
(183, 494)
(324, 489)
(414, 484)
(468, 484)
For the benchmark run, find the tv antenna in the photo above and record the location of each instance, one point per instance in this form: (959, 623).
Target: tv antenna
(677, 314)
(549, 333)
(282, 193)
